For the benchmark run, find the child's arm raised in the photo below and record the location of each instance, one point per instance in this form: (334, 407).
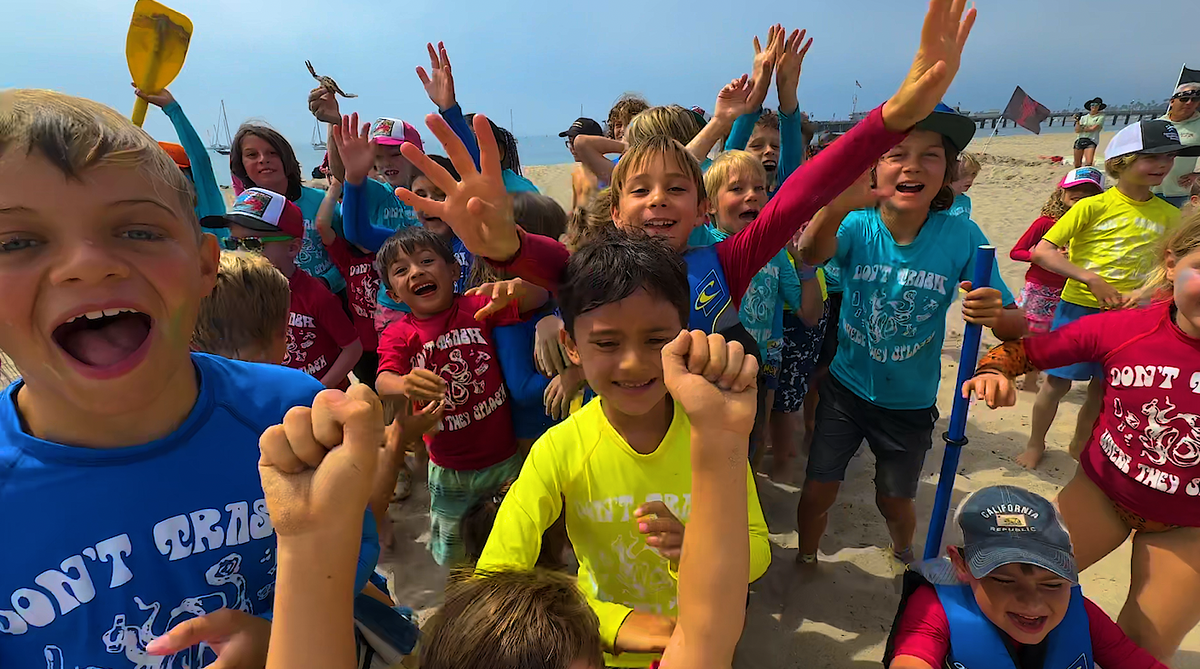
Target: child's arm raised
(478, 208)
(714, 381)
(787, 82)
(741, 96)
(593, 152)
(439, 86)
(327, 210)
(359, 155)
(317, 471)
(833, 170)
(209, 201)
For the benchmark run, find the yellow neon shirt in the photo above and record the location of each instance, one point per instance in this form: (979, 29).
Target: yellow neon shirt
(603, 480)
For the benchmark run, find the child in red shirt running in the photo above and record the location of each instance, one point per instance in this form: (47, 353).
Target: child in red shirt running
(1138, 472)
(321, 341)
(442, 356)
(1008, 597)
(1043, 288)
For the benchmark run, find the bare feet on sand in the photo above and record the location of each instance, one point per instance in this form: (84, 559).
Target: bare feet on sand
(1032, 456)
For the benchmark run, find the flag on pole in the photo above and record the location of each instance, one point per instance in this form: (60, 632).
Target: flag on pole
(1026, 112)
(860, 85)
(1187, 76)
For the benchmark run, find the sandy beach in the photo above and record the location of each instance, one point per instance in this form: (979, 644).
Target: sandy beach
(839, 615)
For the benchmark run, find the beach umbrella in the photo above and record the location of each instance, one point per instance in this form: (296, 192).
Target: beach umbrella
(955, 437)
(155, 48)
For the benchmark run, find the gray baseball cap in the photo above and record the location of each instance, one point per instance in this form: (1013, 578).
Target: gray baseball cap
(1006, 525)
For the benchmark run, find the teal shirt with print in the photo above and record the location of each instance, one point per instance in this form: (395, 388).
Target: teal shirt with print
(761, 312)
(894, 302)
(312, 257)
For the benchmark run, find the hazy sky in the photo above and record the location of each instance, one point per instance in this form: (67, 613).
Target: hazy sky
(542, 59)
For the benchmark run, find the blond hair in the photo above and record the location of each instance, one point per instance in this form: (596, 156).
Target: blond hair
(968, 163)
(672, 121)
(587, 220)
(727, 167)
(1180, 243)
(1115, 166)
(76, 135)
(247, 310)
(640, 155)
(512, 620)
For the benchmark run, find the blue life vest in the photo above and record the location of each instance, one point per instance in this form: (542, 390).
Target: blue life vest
(975, 642)
(712, 303)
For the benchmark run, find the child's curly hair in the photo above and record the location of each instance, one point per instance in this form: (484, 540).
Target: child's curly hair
(589, 219)
(623, 110)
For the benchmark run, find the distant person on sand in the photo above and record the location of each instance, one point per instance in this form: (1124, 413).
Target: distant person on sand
(1110, 238)
(1087, 132)
(1184, 114)
(583, 182)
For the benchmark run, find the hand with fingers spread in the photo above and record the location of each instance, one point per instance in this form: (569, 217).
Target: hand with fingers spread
(561, 390)
(943, 36)
(355, 147)
(477, 208)
(324, 105)
(428, 420)
(663, 531)
(439, 81)
(501, 293)
(714, 380)
(994, 388)
(733, 100)
(787, 70)
(423, 385)
(239, 639)
(765, 61)
(318, 466)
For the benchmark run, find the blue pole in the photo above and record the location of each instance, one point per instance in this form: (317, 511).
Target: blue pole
(955, 437)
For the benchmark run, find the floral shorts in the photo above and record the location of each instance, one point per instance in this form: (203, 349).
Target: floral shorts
(1039, 302)
(801, 347)
(1139, 522)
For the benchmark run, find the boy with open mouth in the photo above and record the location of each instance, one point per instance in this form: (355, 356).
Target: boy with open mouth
(143, 528)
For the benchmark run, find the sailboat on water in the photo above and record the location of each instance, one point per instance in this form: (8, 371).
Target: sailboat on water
(318, 140)
(221, 145)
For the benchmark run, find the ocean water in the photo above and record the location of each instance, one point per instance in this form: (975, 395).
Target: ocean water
(536, 150)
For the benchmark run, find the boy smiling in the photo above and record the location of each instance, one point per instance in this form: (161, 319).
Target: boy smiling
(104, 266)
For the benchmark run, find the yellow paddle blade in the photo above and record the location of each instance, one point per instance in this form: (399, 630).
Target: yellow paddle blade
(155, 49)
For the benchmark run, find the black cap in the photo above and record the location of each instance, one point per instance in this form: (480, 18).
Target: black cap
(583, 126)
(1005, 525)
(959, 129)
(1095, 101)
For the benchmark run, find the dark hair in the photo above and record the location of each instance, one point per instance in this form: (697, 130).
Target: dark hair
(476, 526)
(447, 165)
(408, 241)
(768, 119)
(537, 214)
(291, 166)
(945, 197)
(616, 263)
(623, 110)
(510, 159)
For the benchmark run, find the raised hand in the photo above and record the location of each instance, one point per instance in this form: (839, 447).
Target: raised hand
(355, 147)
(943, 37)
(714, 380)
(862, 194)
(160, 99)
(478, 208)
(317, 468)
(324, 105)
(440, 85)
(664, 532)
(787, 69)
(734, 100)
(764, 61)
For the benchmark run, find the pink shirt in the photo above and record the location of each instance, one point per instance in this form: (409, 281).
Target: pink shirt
(362, 287)
(1144, 452)
(477, 430)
